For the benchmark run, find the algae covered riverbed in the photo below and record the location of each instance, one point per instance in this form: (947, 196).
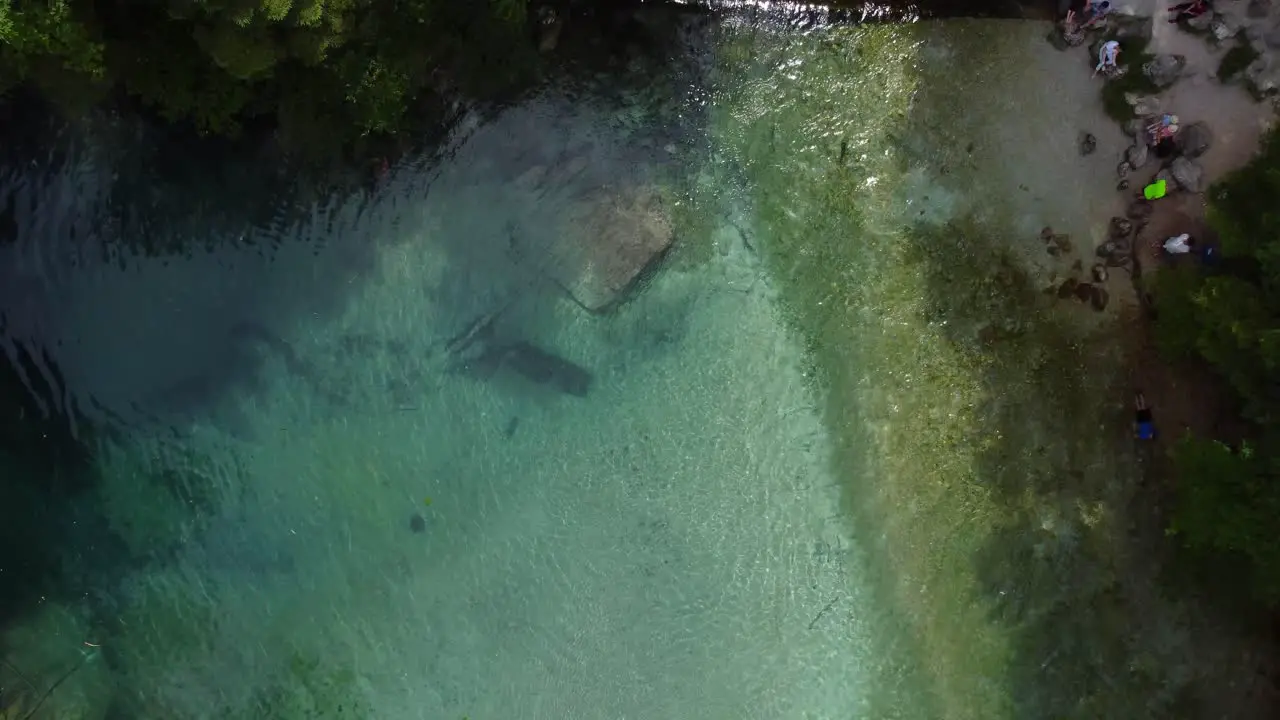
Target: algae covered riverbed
(899, 177)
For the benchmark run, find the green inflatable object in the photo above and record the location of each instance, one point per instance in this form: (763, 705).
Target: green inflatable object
(1155, 190)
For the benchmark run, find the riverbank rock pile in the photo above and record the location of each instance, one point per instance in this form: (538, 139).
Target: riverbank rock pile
(1252, 27)
(607, 241)
(1180, 171)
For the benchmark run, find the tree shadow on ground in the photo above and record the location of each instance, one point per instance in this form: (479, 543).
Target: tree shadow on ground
(1077, 568)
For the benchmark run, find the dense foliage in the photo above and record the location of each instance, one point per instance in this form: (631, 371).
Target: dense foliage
(320, 70)
(1229, 314)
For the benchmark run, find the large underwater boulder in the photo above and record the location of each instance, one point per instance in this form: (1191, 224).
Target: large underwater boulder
(607, 241)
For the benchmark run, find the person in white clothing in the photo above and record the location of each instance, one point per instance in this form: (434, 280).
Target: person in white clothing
(1108, 55)
(1179, 244)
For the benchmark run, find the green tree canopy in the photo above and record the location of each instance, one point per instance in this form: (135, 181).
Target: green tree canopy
(323, 69)
(1229, 315)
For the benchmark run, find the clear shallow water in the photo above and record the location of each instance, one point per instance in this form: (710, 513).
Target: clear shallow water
(326, 519)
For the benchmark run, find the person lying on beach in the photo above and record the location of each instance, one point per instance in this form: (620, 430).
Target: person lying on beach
(1188, 10)
(1180, 244)
(1143, 425)
(1108, 55)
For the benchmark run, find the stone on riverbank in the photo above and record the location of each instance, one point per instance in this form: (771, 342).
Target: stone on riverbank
(1143, 104)
(1099, 298)
(1119, 228)
(1088, 143)
(1272, 38)
(1137, 155)
(1194, 139)
(607, 242)
(1262, 76)
(1223, 28)
(1132, 27)
(1201, 23)
(1164, 70)
(1187, 174)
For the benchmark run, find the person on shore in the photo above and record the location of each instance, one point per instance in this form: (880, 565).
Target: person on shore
(1180, 244)
(1188, 10)
(1143, 425)
(1072, 33)
(1108, 57)
(1094, 13)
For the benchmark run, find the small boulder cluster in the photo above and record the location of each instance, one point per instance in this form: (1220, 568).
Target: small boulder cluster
(1088, 291)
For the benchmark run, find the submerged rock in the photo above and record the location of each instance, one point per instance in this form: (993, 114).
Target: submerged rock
(417, 523)
(1187, 174)
(1272, 38)
(1084, 291)
(1258, 9)
(1164, 70)
(1099, 273)
(607, 242)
